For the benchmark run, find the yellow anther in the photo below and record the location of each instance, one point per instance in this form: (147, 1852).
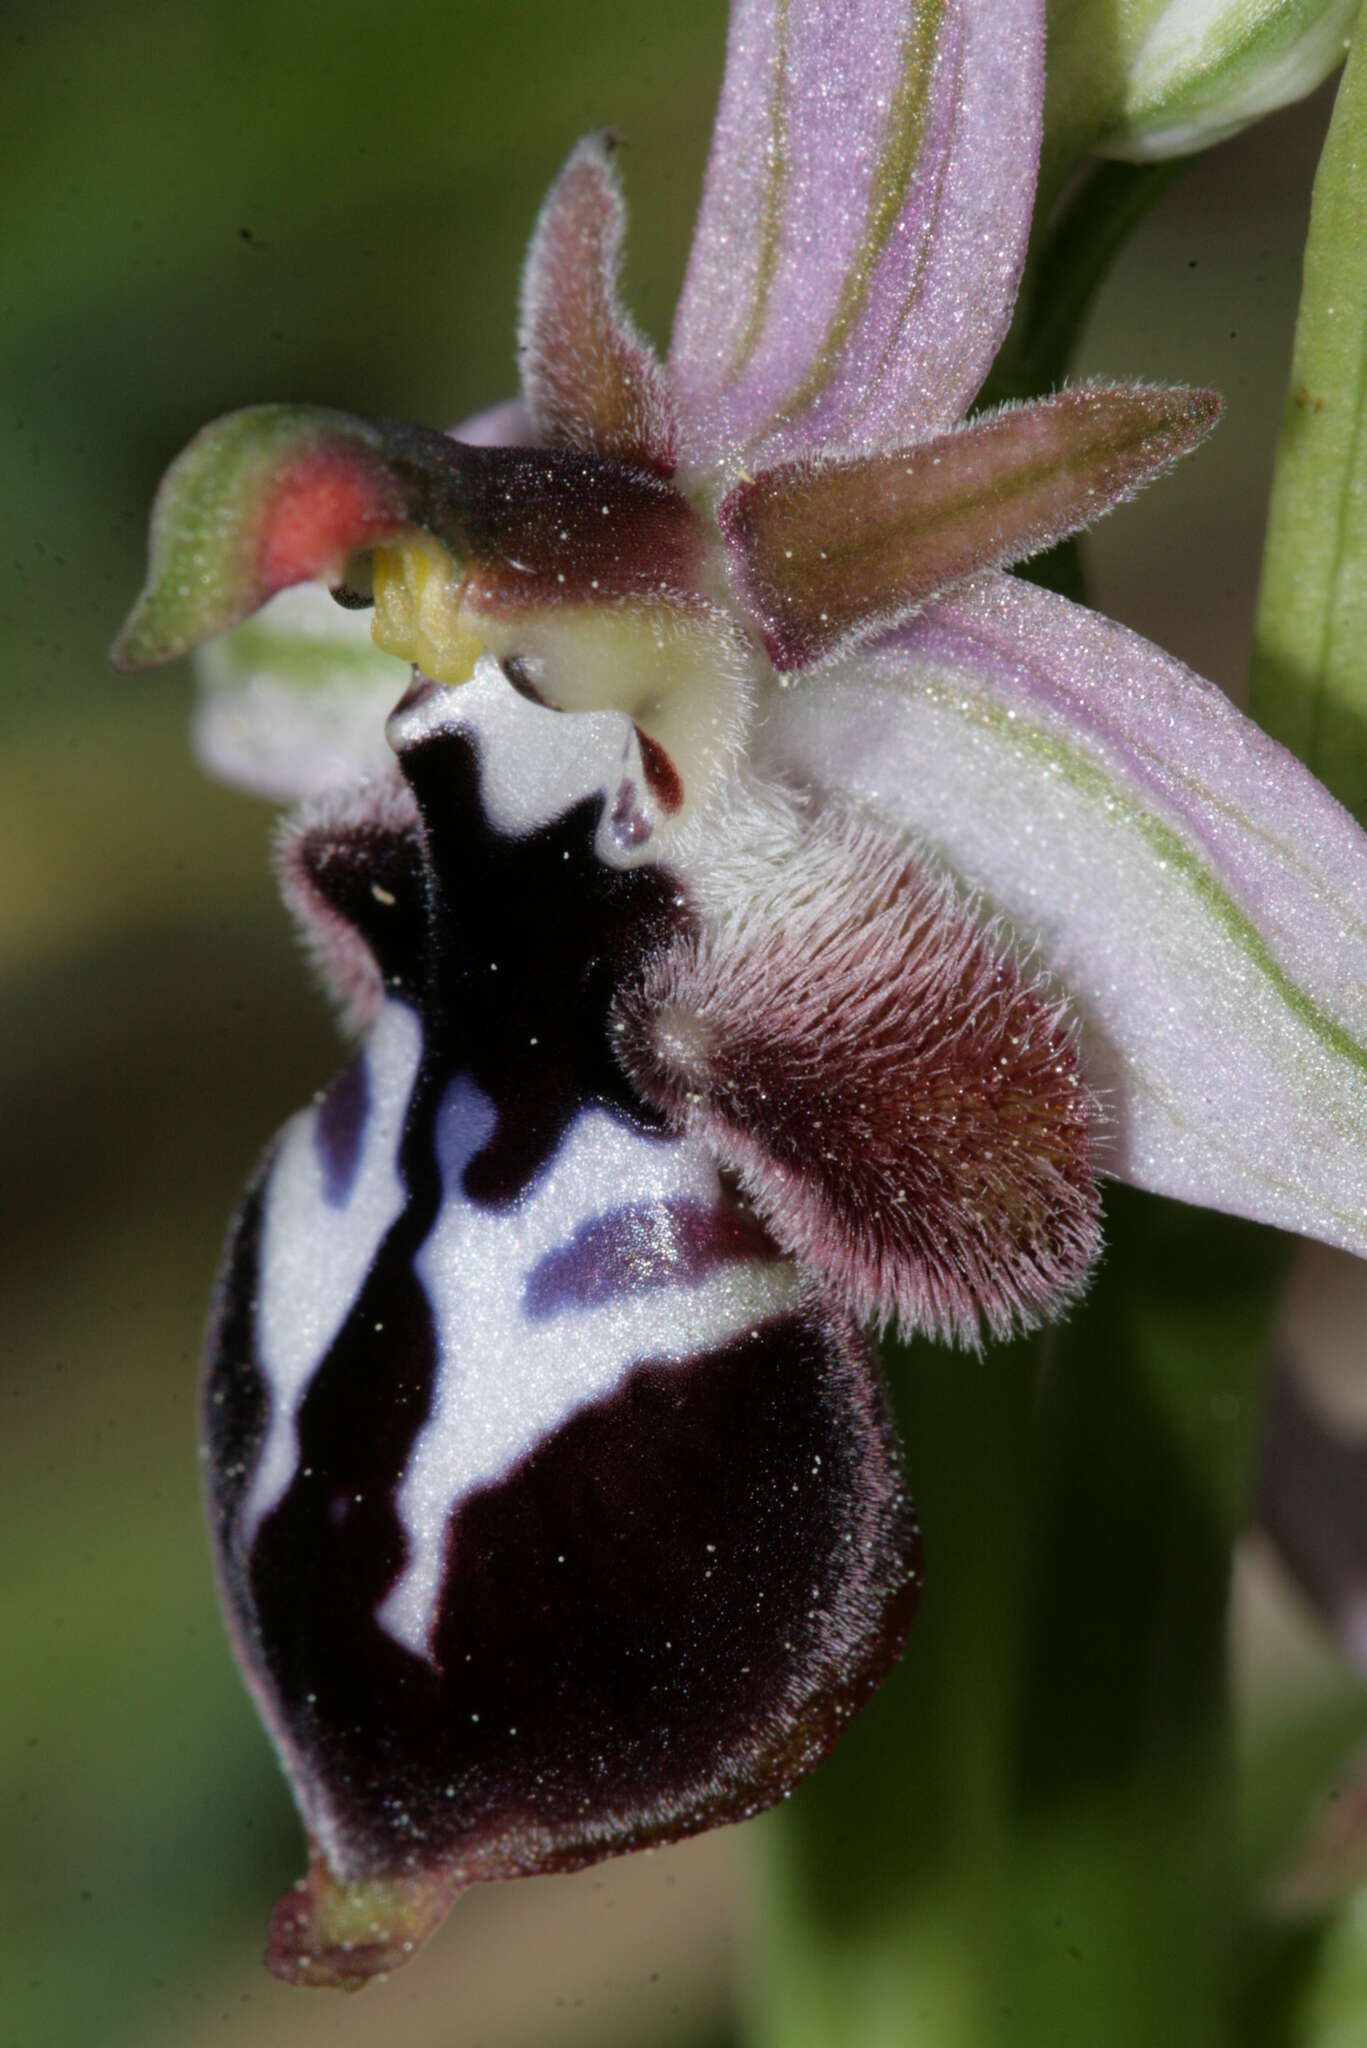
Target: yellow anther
(420, 611)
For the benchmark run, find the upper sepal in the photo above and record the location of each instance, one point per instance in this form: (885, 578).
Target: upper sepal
(863, 223)
(824, 551)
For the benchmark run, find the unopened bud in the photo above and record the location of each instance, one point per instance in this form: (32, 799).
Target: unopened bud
(1196, 71)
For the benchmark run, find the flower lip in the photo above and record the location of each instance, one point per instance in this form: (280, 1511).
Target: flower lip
(599, 1511)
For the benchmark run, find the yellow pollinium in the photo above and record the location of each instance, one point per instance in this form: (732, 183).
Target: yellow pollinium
(680, 672)
(420, 611)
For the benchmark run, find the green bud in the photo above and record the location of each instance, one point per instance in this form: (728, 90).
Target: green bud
(1193, 72)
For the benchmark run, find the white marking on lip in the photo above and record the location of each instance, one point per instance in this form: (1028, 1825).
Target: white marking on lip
(535, 763)
(314, 1258)
(506, 1381)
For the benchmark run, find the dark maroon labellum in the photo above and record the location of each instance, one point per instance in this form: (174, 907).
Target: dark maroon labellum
(662, 1612)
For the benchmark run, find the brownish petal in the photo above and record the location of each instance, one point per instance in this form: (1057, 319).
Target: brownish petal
(825, 550)
(590, 379)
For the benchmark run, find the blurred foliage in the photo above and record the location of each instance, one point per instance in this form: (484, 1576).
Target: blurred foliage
(1043, 1830)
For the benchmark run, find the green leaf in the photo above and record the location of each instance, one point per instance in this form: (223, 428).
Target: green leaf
(1309, 685)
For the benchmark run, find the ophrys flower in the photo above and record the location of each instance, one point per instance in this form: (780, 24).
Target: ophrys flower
(768, 888)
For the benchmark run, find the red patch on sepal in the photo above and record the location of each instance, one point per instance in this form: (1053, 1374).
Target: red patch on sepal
(324, 508)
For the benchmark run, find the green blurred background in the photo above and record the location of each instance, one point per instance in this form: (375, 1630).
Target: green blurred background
(210, 206)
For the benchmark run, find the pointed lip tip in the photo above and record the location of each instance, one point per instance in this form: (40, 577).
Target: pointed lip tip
(1205, 409)
(306, 1948)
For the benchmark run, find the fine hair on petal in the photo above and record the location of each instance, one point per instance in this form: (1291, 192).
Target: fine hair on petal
(898, 1093)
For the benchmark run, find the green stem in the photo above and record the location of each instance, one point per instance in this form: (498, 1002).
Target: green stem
(1309, 681)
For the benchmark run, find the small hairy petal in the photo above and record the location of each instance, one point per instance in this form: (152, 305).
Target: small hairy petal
(863, 223)
(590, 379)
(825, 550)
(351, 871)
(1196, 891)
(900, 1100)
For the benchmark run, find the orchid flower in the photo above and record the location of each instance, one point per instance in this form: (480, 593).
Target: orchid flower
(776, 918)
